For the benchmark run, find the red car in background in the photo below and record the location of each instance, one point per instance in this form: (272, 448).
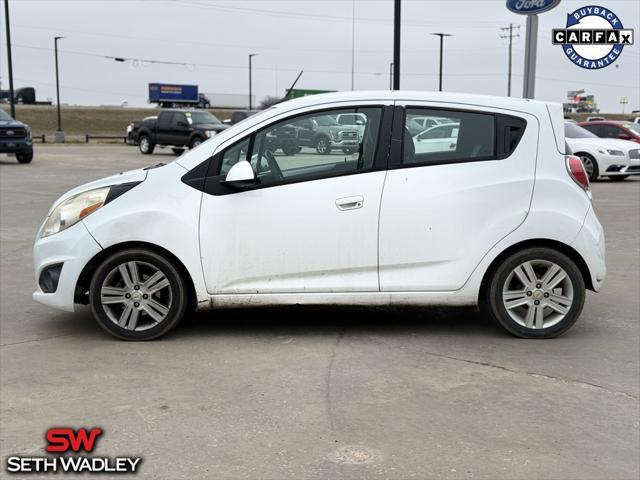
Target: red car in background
(614, 129)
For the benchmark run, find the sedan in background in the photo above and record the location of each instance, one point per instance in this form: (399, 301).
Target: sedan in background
(603, 157)
(614, 129)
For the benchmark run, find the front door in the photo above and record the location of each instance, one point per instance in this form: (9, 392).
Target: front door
(311, 223)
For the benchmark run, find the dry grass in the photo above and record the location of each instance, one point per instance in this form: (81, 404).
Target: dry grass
(79, 121)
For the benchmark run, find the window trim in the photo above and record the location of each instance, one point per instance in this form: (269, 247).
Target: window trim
(213, 185)
(397, 156)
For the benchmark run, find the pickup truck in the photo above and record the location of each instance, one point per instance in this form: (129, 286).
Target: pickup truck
(177, 129)
(15, 138)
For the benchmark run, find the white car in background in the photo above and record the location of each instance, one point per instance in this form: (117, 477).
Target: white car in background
(437, 139)
(603, 157)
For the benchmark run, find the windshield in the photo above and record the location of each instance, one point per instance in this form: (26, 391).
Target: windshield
(635, 127)
(4, 115)
(575, 131)
(199, 118)
(325, 121)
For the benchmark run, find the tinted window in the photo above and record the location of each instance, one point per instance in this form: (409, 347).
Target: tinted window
(287, 151)
(467, 136)
(572, 130)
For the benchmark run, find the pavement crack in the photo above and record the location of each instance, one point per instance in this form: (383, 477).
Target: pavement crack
(332, 357)
(566, 381)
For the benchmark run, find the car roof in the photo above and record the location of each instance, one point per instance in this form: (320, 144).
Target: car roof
(604, 122)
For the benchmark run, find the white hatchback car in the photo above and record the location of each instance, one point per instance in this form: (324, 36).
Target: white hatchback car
(504, 220)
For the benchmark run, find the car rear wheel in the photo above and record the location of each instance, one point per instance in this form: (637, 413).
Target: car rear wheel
(145, 145)
(24, 157)
(590, 166)
(291, 149)
(536, 293)
(137, 294)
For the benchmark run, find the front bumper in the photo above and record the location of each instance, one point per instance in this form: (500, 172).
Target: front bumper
(631, 167)
(17, 146)
(73, 248)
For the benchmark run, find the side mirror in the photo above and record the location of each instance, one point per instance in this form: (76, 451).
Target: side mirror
(624, 136)
(241, 175)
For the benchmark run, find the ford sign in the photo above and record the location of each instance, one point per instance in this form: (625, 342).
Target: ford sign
(530, 7)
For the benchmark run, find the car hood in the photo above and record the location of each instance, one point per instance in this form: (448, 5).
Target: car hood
(137, 175)
(11, 123)
(604, 143)
(217, 127)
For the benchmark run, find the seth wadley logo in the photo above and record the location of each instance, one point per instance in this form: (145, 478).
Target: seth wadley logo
(65, 440)
(593, 38)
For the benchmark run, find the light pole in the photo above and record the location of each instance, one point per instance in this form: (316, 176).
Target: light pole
(9, 62)
(441, 35)
(396, 44)
(251, 55)
(391, 76)
(59, 132)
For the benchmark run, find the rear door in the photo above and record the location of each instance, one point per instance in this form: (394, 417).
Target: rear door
(442, 210)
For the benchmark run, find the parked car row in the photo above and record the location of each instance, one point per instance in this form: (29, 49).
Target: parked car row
(614, 158)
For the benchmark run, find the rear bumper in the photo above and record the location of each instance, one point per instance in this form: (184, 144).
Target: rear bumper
(590, 244)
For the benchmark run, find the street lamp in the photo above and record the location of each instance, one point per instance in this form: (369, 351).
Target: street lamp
(441, 35)
(59, 132)
(251, 55)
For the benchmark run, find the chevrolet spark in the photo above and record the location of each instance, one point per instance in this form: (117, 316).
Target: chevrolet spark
(497, 215)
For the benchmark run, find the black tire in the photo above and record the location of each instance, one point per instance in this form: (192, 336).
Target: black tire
(501, 274)
(323, 145)
(24, 157)
(290, 149)
(617, 178)
(195, 142)
(145, 145)
(177, 287)
(178, 151)
(590, 165)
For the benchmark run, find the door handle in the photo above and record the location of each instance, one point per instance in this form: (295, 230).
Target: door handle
(350, 203)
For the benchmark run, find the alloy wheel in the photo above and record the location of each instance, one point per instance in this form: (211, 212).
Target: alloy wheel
(588, 165)
(144, 144)
(538, 294)
(136, 295)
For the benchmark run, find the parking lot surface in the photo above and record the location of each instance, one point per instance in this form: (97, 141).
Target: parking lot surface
(320, 393)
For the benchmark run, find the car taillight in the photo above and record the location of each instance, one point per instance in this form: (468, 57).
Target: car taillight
(577, 172)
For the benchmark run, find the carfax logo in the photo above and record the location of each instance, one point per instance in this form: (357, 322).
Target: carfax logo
(594, 37)
(69, 443)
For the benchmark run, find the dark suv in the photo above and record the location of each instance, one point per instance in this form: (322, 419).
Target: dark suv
(15, 138)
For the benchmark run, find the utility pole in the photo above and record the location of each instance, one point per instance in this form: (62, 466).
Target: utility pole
(251, 55)
(59, 132)
(441, 35)
(510, 36)
(353, 42)
(9, 62)
(530, 54)
(396, 45)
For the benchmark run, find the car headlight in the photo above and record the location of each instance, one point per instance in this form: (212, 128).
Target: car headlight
(618, 153)
(27, 129)
(210, 133)
(74, 209)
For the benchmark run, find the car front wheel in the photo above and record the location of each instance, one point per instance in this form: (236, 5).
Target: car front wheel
(137, 294)
(323, 146)
(536, 293)
(145, 145)
(590, 166)
(24, 157)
